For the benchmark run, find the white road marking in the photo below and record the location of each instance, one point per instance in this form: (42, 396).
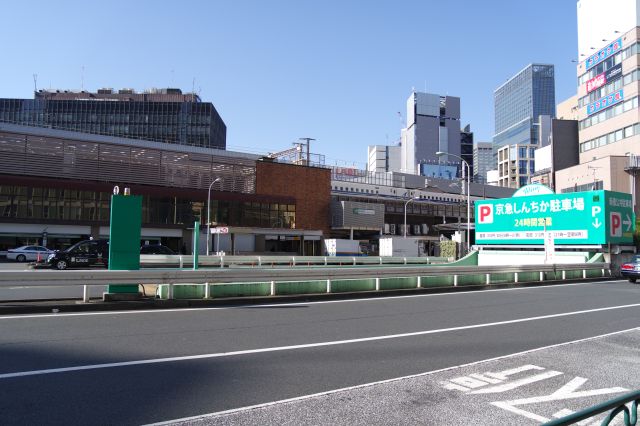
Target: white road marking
(567, 391)
(276, 305)
(381, 382)
(303, 346)
(517, 383)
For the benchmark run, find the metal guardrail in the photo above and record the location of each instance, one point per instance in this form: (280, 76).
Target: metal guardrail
(261, 261)
(96, 277)
(617, 405)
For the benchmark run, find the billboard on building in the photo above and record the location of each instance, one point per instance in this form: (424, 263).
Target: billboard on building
(603, 54)
(606, 102)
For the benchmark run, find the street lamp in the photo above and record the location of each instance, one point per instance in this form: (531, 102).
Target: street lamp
(440, 154)
(209, 212)
(405, 214)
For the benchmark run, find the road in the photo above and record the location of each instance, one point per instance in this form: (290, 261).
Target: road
(19, 292)
(151, 366)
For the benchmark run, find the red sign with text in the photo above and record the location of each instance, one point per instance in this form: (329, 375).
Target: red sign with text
(596, 82)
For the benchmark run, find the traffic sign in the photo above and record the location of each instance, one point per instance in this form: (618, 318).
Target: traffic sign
(593, 217)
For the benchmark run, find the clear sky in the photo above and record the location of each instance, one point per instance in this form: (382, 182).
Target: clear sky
(337, 71)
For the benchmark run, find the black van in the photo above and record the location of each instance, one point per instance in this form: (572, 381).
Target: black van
(85, 253)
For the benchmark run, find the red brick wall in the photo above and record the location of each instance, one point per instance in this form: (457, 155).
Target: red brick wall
(310, 186)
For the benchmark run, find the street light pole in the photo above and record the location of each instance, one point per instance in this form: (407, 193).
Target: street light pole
(440, 154)
(405, 216)
(209, 212)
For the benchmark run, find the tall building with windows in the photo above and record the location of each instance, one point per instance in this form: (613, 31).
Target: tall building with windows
(482, 161)
(518, 105)
(433, 124)
(159, 115)
(608, 87)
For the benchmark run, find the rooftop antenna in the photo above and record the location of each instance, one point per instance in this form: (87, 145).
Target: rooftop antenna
(172, 75)
(82, 80)
(35, 83)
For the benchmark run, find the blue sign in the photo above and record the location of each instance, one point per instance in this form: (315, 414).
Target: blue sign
(605, 102)
(603, 54)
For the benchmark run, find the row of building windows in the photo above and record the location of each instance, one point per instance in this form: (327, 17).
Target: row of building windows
(609, 63)
(612, 137)
(608, 113)
(23, 202)
(592, 186)
(367, 191)
(609, 88)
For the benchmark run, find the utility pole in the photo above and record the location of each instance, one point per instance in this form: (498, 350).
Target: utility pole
(308, 144)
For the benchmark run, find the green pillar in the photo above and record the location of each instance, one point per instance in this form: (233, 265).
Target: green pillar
(124, 238)
(196, 238)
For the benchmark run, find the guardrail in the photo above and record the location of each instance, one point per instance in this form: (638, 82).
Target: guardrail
(263, 261)
(307, 280)
(617, 405)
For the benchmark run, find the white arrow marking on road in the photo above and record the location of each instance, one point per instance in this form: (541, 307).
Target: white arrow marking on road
(564, 393)
(596, 223)
(627, 222)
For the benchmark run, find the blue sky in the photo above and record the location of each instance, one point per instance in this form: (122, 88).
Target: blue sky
(336, 71)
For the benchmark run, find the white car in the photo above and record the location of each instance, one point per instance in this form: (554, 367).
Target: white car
(25, 253)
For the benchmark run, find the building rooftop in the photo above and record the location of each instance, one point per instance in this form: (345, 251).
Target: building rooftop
(127, 94)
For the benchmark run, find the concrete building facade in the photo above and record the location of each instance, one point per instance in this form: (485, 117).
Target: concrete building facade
(433, 124)
(482, 161)
(608, 89)
(384, 158)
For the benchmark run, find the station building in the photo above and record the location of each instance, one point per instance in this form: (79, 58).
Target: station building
(55, 189)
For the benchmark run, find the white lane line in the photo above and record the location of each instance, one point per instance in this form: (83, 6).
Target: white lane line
(381, 382)
(301, 346)
(275, 305)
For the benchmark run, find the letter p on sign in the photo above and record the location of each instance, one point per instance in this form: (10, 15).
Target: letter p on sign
(616, 224)
(485, 213)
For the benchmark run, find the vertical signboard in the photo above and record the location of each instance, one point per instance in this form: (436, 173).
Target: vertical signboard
(594, 217)
(124, 237)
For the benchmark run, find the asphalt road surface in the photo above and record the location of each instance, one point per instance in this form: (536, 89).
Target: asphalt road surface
(154, 366)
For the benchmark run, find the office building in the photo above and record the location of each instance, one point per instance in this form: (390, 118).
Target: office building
(608, 86)
(466, 147)
(159, 115)
(433, 124)
(558, 149)
(518, 103)
(384, 158)
(482, 161)
(516, 165)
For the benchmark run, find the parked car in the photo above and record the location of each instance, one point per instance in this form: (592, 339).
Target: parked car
(25, 253)
(155, 249)
(85, 253)
(631, 270)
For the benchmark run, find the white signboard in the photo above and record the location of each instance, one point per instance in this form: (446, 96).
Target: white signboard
(220, 230)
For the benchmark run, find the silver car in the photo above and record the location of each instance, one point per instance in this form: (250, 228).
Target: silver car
(26, 253)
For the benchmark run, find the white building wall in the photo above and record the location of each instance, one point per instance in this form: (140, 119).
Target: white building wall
(600, 19)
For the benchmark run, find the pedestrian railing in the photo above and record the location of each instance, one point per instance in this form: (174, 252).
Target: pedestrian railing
(269, 261)
(617, 407)
(239, 282)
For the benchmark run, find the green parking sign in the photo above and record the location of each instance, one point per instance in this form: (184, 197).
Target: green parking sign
(593, 217)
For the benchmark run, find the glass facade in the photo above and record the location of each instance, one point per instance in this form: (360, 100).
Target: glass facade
(520, 101)
(61, 205)
(182, 123)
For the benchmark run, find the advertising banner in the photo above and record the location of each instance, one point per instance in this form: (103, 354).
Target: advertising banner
(612, 74)
(593, 217)
(603, 54)
(605, 102)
